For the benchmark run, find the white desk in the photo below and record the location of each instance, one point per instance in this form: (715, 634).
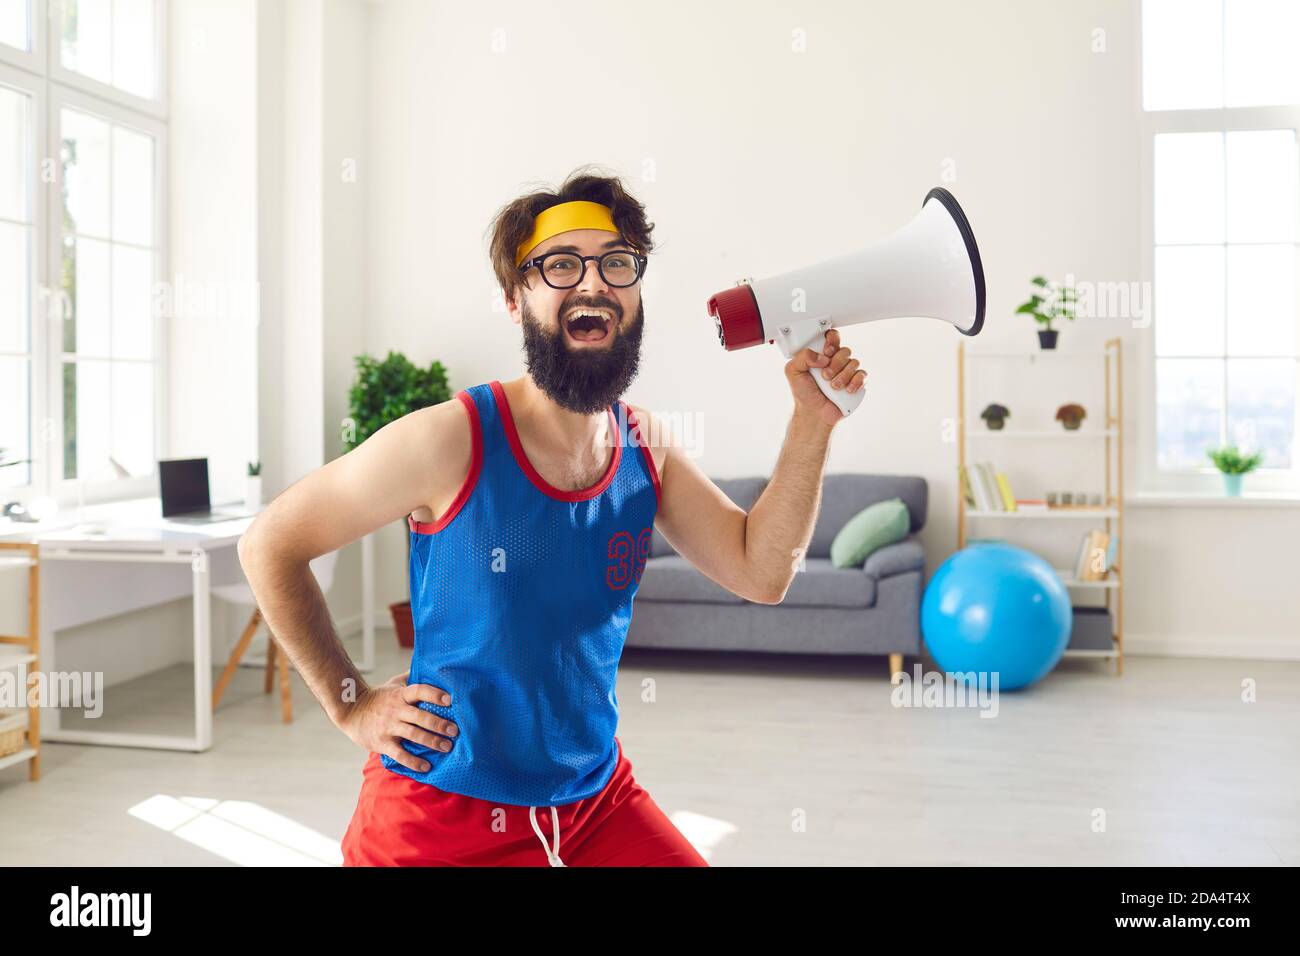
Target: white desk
(133, 532)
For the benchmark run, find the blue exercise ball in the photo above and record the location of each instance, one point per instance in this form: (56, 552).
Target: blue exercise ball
(995, 607)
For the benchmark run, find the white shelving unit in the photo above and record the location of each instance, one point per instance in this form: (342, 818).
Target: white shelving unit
(1110, 434)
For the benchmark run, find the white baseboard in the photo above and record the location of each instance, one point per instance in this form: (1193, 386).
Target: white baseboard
(1281, 647)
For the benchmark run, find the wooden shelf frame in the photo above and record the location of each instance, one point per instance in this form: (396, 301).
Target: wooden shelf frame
(1111, 433)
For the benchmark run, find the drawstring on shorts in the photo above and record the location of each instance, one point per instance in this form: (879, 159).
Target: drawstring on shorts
(551, 855)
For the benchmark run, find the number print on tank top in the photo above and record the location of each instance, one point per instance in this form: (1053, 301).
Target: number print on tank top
(627, 558)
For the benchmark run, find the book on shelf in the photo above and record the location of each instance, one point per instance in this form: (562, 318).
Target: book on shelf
(992, 500)
(973, 487)
(1031, 504)
(964, 477)
(984, 488)
(1100, 566)
(1092, 561)
(1004, 487)
(1081, 556)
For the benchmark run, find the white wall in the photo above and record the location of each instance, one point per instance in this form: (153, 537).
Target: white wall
(311, 118)
(298, 372)
(212, 230)
(344, 165)
(753, 159)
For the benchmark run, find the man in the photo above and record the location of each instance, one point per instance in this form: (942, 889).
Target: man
(530, 505)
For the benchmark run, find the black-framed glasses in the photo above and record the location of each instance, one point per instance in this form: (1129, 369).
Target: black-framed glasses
(563, 270)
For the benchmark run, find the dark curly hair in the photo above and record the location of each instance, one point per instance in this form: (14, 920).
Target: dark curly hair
(513, 223)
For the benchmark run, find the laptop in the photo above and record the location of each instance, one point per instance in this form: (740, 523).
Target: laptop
(183, 484)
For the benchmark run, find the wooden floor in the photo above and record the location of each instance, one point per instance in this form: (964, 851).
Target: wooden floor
(762, 760)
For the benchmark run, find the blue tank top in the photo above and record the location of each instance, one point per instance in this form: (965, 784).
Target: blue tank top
(521, 596)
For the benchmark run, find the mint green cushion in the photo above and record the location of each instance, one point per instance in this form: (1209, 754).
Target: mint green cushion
(882, 523)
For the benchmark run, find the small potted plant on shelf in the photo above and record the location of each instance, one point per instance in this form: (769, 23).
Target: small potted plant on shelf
(1050, 301)
(1071, 416)
(253, 486)
(995, 416)
(1233, 464)
(383, 392)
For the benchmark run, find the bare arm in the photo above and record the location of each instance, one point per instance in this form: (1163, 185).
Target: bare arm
(755, 554)
(408, 464)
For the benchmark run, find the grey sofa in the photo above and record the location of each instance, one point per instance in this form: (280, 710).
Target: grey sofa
(875, 609)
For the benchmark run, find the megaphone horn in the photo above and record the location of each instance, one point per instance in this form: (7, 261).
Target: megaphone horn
(928, 269)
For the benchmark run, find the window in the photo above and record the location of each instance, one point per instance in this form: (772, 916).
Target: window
(1212, 54)
(17, 273)
(1222, 167)
(15, 24)
(107, 268)
(112, 42)
(81, 208)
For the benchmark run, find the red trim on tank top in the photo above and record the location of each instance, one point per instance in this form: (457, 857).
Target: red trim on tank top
(467, 486)
(639, 437)
(521, 457)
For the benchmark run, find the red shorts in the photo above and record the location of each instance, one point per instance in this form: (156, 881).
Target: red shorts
(403, 822)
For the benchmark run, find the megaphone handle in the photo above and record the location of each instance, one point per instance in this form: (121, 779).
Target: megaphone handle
(846, 400)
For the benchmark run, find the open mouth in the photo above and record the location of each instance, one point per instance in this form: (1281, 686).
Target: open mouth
(589, 325)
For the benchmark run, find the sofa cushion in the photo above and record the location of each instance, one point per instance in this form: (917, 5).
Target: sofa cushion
(869, 530)
(897, 558)
(845, 495)
(743, 491)
(673, 578)
(821, 584)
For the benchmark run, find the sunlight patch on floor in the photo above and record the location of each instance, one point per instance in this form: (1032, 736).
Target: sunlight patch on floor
(704, 833)
(242, 832)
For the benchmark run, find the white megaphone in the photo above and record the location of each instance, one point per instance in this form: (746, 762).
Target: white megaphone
(930, 268)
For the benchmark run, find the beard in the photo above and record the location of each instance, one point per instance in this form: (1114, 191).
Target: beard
(583, 380)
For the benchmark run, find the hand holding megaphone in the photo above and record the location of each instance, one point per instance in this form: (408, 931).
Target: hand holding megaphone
(929, 269)
(831, 364)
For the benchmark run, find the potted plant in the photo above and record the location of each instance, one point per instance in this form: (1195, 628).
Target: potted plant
(383, 392)
(1051, 301)
(995, 416)
(1233, 464)
(253, 486)
(1071, 416)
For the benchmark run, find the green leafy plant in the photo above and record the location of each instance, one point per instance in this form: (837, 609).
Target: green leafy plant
(1230, 461)
(1052, 301)
(384, 391)
(381, 393)
(994, 415)
(1071, 415)
(254, 468)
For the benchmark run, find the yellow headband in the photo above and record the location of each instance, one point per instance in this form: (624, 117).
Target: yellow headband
(578, 214)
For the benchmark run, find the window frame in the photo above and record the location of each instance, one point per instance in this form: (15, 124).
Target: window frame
(34, 87)
(1150, 478)
(72, 489)
(79, 81)
(32, 60)
(39, 74)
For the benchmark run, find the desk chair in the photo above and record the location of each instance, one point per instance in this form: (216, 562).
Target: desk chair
(241, 594)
